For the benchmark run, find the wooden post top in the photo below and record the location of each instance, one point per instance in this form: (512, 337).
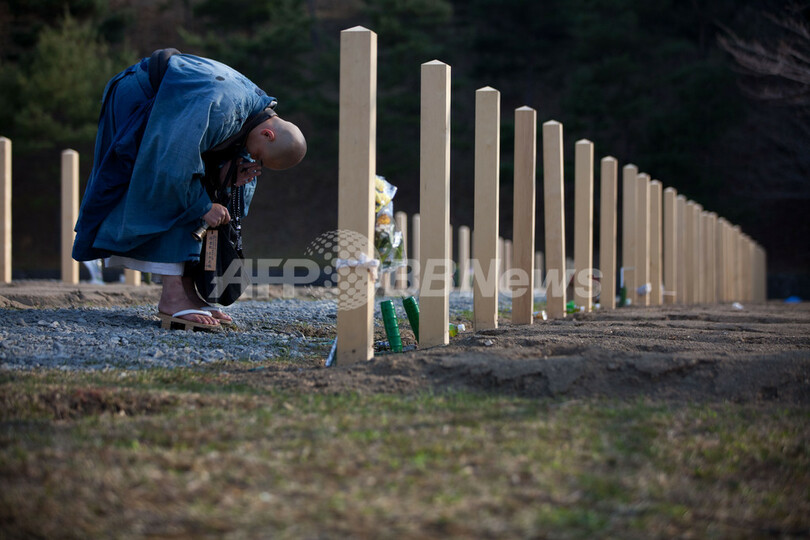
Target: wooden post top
(358, 29)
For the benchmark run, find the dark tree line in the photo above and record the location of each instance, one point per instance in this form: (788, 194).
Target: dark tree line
(671, 86)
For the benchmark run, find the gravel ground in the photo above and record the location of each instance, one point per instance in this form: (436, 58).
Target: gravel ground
(130, 337)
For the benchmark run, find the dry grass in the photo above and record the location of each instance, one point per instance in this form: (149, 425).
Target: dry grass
(199, 453)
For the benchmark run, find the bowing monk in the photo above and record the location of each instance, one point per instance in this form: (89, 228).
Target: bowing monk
(166, 124)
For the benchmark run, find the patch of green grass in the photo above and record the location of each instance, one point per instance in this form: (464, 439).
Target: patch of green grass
(464, 315)
(202, 452)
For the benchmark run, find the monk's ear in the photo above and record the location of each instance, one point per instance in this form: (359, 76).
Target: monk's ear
(269, 134)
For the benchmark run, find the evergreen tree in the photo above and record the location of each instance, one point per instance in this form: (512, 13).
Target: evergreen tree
(60, 86)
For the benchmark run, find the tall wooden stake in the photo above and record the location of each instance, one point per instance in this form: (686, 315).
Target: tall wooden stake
(401, 273)
(70, 213)
(464, 284)
(523, 221)
(697, 249)
(643, 235)
(734, 271)
(721, 259)
(553, 199)
(629, 213)
(434, 205)
(486, 268)
(711, 274)
(681, 265)
(689, 253)
(356, 175)
(132, 277)
(501, 262)
(607, 232)
(5, 210)
(656, 244)
(416, 236)
(704, 254)
(671, 253)
(583, 224)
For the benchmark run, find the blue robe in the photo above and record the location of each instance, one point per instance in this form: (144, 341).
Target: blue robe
(145, 196)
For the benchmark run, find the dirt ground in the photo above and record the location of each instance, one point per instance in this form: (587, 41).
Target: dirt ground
(705, 353)
(760, 353)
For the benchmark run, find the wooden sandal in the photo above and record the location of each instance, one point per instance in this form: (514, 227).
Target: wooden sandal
(166, 320)
(220, 310)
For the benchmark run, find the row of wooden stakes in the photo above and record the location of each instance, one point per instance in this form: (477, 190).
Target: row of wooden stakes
(69, 216)
(672, 250)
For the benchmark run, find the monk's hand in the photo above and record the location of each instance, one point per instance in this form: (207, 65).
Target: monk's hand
(218, 215)
(246, 171)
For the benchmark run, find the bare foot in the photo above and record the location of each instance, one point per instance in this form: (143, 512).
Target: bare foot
(199, 303)
(174, 299)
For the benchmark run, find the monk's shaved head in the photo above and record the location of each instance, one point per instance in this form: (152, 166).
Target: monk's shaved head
(279, 144)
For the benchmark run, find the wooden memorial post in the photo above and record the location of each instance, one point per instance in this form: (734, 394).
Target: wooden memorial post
(132, 277)
(643, 235)
(450, 255)
(434, 205)
(583, 224)
(697, 248)
(553, 199)
(656, 242)
(711, 274)
(356, 176)
(607, 232)
(720, 259)
(704, 252)
(5, 210)
(70, 213)
(401, 273)
(416, 236)
(738, 264)
(689, 252)
(501, 261)
(629, 213)
(671, 253)
(733, 263)
(486, 268)
(681, 266)
(508, 261)
(728, 265)
(524, 209)
(464, 284)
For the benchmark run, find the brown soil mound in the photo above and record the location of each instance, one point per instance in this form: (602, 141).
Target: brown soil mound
(696, 353)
